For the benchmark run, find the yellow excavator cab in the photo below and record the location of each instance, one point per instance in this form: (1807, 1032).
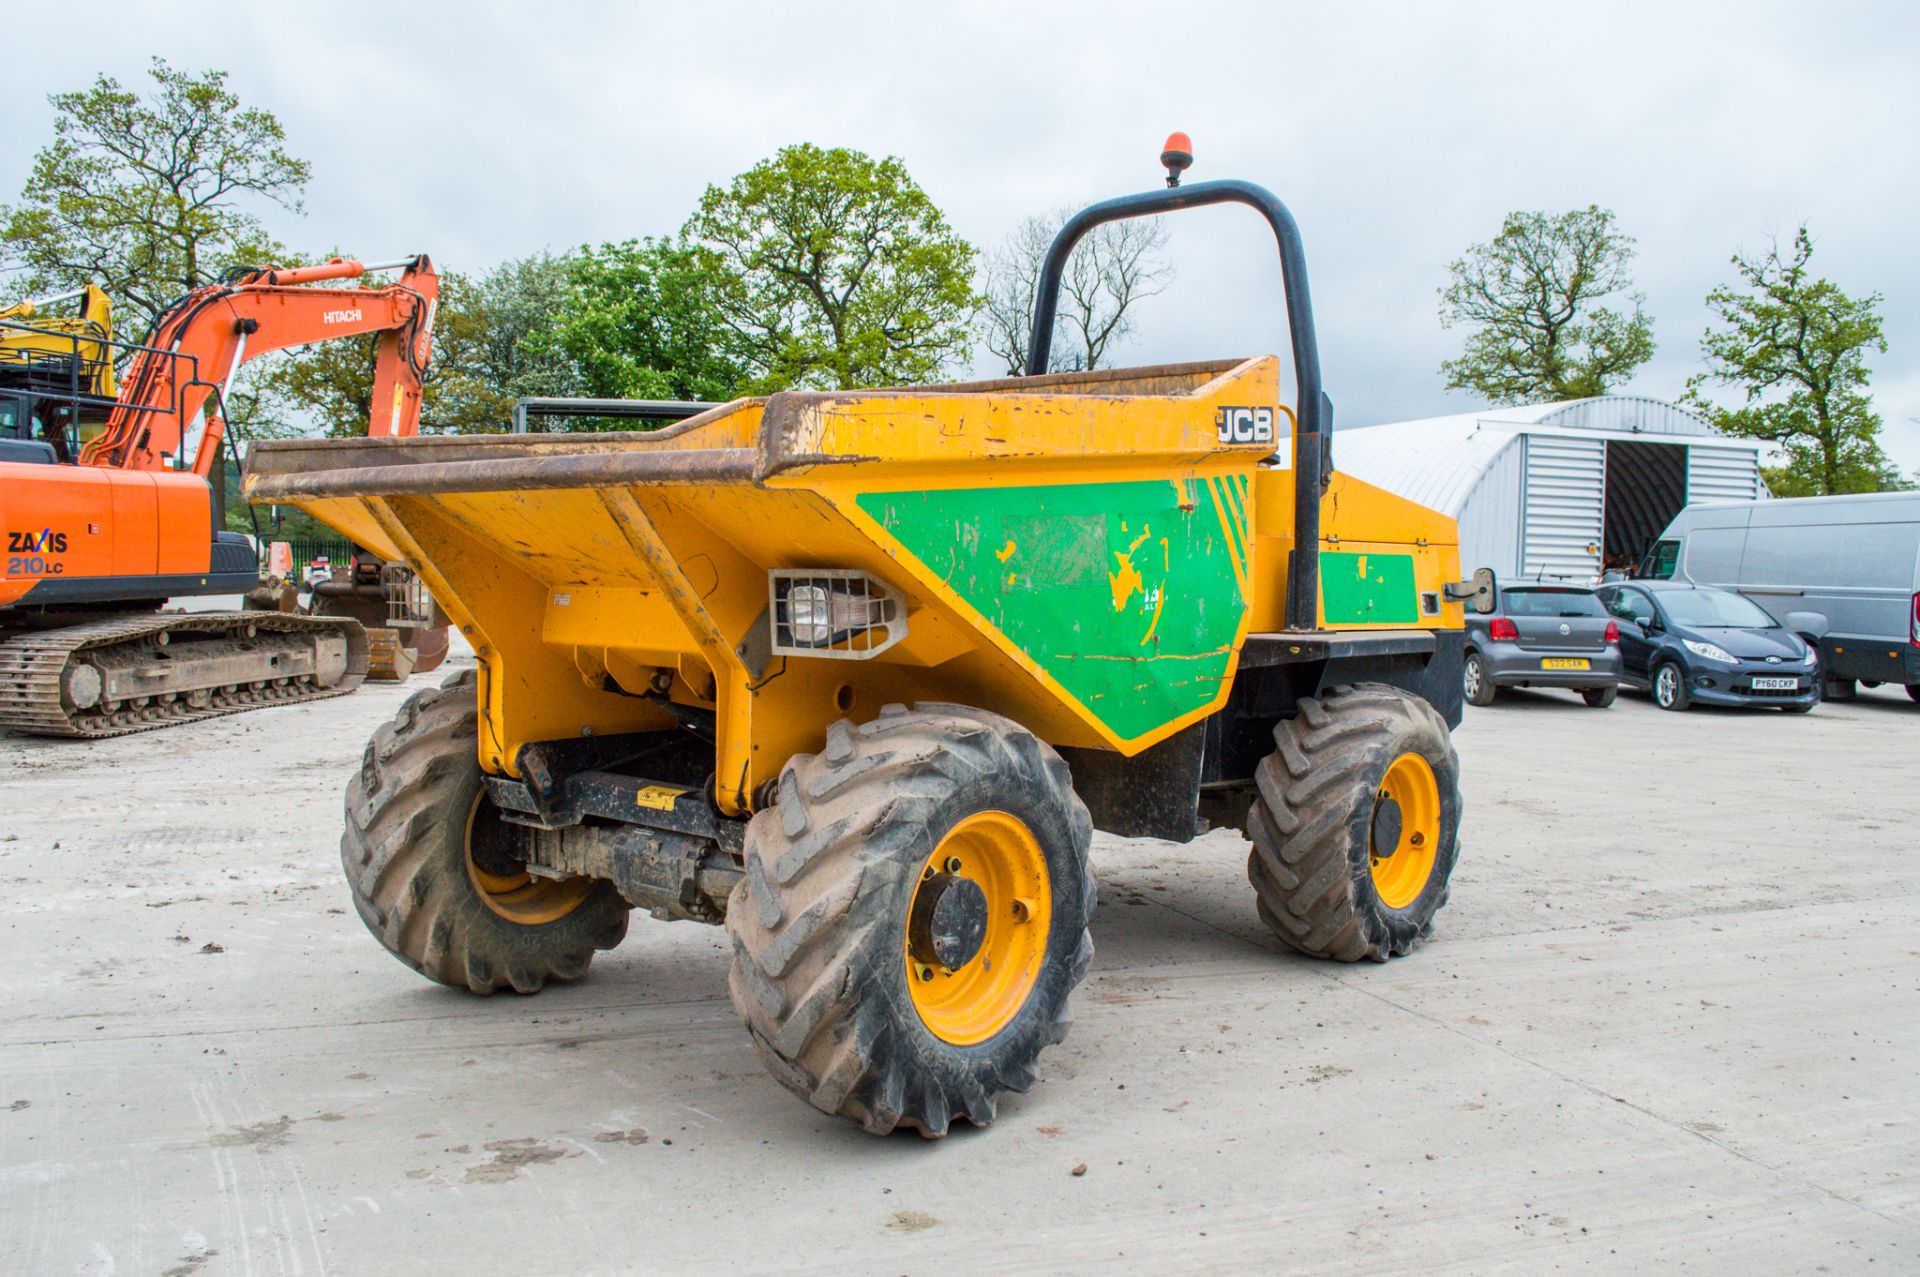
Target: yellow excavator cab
(55, 347)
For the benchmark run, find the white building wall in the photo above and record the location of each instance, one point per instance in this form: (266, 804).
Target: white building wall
(1564, 507)
(1723, 474)
(1490, 519)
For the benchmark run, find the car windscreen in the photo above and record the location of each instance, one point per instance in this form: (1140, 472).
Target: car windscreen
(1550, 603)
(1714, 610)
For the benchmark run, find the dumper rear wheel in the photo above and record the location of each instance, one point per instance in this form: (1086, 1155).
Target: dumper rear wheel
(913, 917)
(429, 871)
(1356, 824)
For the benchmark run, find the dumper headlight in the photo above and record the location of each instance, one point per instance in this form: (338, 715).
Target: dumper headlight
(834, 612)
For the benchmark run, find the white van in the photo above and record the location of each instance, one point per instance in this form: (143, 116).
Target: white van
(1843, 572)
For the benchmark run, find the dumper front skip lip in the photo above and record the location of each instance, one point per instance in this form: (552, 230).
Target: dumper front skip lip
(678, 467)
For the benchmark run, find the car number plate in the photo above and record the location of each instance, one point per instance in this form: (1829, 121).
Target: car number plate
(1564, 663)
(1775, 684)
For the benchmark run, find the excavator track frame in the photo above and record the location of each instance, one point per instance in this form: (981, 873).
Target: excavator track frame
(33, 664)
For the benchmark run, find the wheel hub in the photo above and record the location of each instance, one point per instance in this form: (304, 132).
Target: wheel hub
(949, 921)
(1404, 834)
(501, 879)
(976, 931)
(1387, 824)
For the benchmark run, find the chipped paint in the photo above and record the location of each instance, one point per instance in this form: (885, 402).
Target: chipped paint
(1374, 588)
(1128, 594)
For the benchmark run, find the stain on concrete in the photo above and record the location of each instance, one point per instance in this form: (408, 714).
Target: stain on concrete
(260, 1135)
(510, 1155)
(191, 1264)
(1323, 1073)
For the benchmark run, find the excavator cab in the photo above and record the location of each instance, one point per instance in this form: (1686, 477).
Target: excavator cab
(57, 382)
(17, 442)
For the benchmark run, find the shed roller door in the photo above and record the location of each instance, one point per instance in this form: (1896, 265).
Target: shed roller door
(1722, 474)
(1565, 507)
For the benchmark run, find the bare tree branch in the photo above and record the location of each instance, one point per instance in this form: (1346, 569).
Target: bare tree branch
(1112, 270)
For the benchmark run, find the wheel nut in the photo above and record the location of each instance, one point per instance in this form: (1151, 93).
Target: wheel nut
(923, 971)
(953, 864)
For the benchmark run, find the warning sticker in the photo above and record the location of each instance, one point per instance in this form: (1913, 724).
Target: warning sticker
(658, 797)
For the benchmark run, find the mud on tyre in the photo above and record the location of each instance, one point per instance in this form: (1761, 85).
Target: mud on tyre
(895, 867)
(1360, 771)
(424, 860)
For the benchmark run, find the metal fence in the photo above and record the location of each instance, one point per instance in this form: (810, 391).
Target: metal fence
(306, 549)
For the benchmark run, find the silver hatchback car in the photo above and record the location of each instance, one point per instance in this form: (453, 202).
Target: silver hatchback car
(1543, 636)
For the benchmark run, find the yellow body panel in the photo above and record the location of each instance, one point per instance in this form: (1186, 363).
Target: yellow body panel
(56, 338)
(1081, 553)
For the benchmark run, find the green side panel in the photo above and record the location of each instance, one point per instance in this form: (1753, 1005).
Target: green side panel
(1125, 593)
(1368, 589)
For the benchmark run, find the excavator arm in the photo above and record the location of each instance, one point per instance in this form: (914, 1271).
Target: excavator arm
(182, 376)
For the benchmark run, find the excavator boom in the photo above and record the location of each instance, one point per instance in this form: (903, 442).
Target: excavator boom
(174, 393)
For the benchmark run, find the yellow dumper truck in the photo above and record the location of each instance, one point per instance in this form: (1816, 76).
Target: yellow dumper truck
(857, 674)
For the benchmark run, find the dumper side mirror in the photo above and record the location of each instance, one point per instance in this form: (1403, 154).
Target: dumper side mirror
(1481, 594)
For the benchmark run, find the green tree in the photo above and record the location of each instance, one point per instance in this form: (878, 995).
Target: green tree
(839, 271)
(494, 348)
(642, 320)
(1795, 348)
(1532, 300)
(148, 197)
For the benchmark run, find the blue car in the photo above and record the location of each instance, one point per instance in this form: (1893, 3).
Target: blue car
(1690, 644)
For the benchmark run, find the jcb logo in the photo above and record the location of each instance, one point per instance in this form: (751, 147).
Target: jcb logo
(45, 541)
(1244, 425)
(340, 317)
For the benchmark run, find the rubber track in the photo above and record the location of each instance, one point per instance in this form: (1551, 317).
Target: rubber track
(31, 665)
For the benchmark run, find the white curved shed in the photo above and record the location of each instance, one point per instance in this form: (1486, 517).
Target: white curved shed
(1557, 490)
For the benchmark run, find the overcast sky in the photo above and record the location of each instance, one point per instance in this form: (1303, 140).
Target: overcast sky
(1398, 134)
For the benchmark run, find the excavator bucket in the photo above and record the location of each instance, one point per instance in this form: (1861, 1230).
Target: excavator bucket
(389, 660)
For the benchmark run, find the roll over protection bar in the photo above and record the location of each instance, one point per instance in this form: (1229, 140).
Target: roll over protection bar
(1313, 409)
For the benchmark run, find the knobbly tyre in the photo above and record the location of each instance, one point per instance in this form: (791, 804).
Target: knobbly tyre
(857, 674)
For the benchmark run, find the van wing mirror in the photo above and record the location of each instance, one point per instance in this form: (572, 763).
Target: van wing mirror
(1481, 594)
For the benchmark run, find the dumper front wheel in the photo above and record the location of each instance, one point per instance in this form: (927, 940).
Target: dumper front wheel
(1356, 824)
(430, 867)
(913, 917)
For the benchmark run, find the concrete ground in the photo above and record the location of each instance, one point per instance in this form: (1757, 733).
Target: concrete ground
(1669, 1020)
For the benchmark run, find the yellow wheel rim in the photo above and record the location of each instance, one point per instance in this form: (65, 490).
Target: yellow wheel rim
(513, 893)
(1401, 873)
(1000, 855)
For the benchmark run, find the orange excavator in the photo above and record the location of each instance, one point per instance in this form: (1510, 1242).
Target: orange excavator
(108, 510)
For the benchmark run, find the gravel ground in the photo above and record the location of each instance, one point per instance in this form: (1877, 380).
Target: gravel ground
(1669, 1020)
